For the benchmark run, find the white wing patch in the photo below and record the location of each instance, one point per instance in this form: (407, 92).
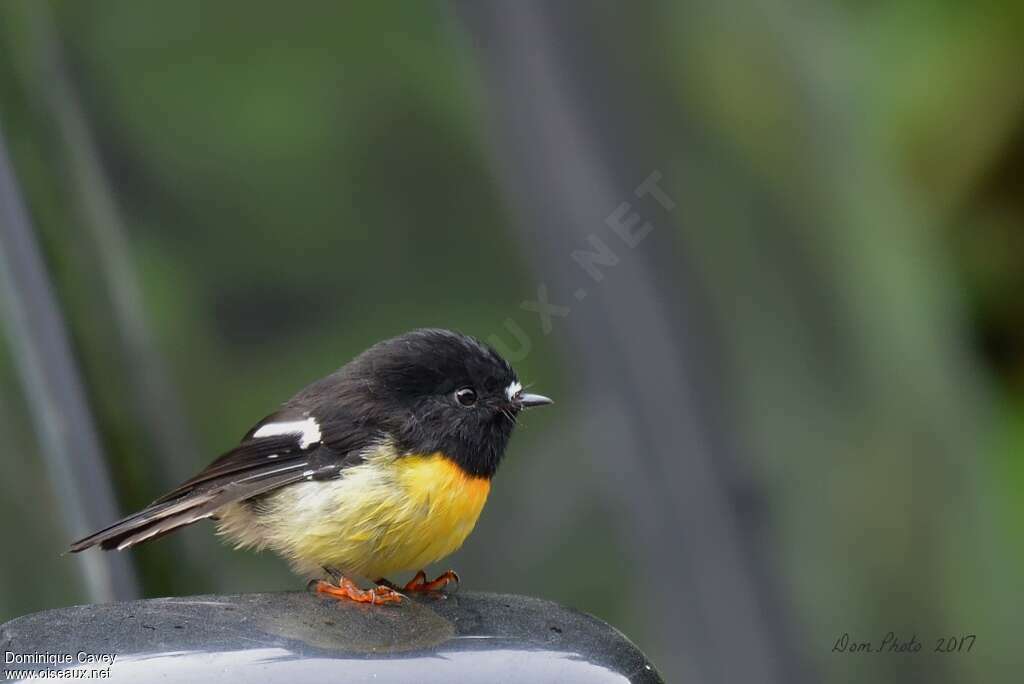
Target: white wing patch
(309, 430)
(513, 389)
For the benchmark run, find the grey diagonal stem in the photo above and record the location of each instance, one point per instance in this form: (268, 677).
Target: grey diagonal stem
(568, 151)
(53, 387)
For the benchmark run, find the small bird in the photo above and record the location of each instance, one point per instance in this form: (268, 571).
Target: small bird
(380, 467)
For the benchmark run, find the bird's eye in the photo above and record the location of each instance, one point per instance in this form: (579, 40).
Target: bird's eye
(466, 396)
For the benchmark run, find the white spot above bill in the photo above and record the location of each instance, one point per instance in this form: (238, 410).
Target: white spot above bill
(308, 429)
(513, 389)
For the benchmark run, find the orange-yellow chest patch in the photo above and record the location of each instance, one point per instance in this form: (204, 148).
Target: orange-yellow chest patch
(449, 493)
(444, 503)
(438, 509)
(390, 514)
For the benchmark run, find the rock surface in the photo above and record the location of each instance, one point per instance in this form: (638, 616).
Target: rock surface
(299, 637)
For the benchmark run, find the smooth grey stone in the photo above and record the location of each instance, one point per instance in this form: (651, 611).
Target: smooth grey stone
(301, 637)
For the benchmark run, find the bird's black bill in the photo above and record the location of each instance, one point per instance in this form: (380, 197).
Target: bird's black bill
(530, 400)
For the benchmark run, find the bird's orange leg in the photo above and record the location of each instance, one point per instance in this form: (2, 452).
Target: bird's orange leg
(419, 583)
(347, 589)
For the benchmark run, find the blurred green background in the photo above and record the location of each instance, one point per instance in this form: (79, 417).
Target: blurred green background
(293, 182)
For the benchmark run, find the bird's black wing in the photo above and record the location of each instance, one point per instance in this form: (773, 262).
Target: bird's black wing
(286, 447)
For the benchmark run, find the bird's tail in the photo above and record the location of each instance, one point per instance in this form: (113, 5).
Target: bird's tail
(151, 522)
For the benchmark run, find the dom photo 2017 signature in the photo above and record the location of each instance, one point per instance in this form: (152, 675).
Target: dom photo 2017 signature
(894, 643)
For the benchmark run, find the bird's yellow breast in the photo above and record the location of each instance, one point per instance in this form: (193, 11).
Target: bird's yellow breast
(383, 516)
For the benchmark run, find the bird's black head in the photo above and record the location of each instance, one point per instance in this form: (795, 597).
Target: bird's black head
(441, 391)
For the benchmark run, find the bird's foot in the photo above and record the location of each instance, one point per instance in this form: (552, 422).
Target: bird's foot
(420, 585)
(346, 589)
